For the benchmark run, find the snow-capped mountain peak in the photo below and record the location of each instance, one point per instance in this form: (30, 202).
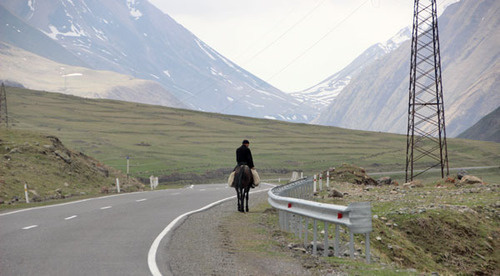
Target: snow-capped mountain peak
(325, 92)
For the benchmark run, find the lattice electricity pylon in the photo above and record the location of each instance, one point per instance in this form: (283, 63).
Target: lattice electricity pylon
(426, 136)
(4, 119)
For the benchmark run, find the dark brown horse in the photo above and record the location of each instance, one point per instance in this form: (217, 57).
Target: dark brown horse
(242, 182)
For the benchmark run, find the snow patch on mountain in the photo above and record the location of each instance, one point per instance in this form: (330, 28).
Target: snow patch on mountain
(132, 7)
(393, 43)
(74, 32)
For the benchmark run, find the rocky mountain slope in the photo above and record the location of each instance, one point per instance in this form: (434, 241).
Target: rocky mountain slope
(133, 37)
(487, 129)
(377, 99)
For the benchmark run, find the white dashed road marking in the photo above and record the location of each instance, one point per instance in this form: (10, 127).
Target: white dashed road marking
(104, 208)
(72, 217)
(139, 200)
(29, 227)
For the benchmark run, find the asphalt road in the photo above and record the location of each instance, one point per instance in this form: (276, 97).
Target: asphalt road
(101, 236)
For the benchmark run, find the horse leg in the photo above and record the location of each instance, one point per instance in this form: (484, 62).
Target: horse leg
(247, 191)
(238, 198)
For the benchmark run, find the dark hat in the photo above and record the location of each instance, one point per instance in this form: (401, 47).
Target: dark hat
(245, 142)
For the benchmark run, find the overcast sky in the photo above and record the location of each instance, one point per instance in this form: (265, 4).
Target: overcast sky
(292, 44)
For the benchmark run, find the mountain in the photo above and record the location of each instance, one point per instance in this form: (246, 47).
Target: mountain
(15, 32)
(322, 94)
(377, 99)
(32, 71)
(133, 37)
(487, 129)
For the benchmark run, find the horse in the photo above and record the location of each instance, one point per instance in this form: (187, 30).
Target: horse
(242, 182)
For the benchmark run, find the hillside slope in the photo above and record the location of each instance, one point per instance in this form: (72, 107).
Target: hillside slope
(487, 129)
(470, 50)
(186, 144)
(51, 170)
(33, 71)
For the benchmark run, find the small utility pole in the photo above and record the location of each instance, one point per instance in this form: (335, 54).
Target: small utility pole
(4, 118)
(128, 165)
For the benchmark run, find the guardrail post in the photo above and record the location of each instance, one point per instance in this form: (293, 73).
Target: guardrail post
(315, 237)
(300, 227)
(325, 246)
(314, 184)
(367, 248)
(287, 225)
(336, 243)
(296, 224)
(351, 244)
(306, 232)
(280, 219)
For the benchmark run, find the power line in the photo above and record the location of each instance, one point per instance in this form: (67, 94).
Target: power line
(286, 32)
(302, 54)
(318, 4)
(318, 41)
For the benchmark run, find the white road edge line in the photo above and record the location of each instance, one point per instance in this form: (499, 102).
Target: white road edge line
(106, 207)
(72, 217)
(153, 267)
(139, 200)
(29, 227)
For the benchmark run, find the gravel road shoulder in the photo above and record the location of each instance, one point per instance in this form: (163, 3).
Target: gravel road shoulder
(222, 241)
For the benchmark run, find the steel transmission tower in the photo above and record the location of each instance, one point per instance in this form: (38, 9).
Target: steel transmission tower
(426, 136)
(4, 119)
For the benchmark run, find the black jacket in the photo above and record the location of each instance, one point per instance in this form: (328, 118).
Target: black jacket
(244, 156)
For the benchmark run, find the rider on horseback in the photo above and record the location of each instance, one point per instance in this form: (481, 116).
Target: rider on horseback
(244, 157)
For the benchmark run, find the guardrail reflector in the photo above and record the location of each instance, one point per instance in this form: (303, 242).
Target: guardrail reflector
(340, 215)
(289, 205)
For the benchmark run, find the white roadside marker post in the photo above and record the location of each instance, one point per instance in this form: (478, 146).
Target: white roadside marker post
(117, 185)
(26, 193)
(328, 178)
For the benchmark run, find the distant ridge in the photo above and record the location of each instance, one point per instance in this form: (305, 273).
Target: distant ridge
(487, 129)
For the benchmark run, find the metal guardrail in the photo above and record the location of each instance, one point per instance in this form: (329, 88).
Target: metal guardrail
(295, 212)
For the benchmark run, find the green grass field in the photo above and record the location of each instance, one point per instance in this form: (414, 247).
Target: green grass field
(164, 141)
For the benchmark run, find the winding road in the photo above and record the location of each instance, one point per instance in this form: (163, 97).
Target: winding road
(109, 235)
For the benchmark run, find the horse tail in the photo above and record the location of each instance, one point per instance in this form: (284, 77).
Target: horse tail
(240, 176)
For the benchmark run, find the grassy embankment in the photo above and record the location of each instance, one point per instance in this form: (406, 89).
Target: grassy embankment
(51, 171)
(431, 226)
